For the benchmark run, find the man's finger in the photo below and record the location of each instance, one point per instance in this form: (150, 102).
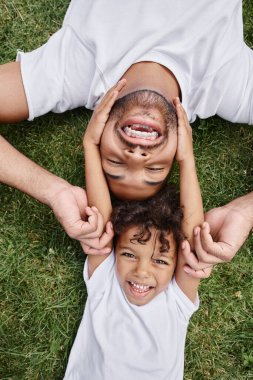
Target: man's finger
(222, 250)
(204, 254)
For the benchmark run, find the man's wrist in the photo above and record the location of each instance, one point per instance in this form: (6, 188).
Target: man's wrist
(244, 205)
(55, 185)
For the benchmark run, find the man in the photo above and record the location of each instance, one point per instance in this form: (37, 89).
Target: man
(194, 51)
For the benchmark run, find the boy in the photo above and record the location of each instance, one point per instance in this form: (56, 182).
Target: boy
(140, 299)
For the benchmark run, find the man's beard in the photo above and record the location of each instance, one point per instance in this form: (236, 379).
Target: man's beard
(146, 99)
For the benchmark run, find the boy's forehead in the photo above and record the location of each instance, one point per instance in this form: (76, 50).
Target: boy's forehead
(131, 238)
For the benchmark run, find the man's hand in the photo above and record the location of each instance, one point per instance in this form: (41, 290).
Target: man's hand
(80, 222)
(223, 233)
(193, 267)
(100, 115)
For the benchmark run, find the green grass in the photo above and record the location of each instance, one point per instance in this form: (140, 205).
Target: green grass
(42, 292)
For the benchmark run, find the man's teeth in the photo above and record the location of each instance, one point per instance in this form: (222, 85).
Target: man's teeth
(134, 131)
(139, 287)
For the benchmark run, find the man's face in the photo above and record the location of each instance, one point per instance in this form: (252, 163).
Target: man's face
(138, 145)
(143, 271)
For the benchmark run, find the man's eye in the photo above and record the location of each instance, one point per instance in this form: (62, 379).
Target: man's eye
(115, 162)
(127, 254)
(155, 169)
(160, 262)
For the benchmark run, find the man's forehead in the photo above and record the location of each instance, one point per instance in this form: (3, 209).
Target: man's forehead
(132, 191)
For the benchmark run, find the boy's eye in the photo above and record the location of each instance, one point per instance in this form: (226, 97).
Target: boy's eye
(160, 262)
(127, 254)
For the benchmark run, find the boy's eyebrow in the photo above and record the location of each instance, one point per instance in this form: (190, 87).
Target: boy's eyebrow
(118, 177)
(169, 257)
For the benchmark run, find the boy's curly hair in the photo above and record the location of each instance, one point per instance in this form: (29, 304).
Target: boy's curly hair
(162, 212)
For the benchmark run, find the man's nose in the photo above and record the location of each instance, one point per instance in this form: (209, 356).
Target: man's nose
(137, 153)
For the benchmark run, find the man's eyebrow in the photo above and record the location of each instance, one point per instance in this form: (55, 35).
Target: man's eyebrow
(151, 183)
(114, 176)
(118, 177)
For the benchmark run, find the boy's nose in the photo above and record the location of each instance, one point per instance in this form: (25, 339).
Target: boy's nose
(142, 270)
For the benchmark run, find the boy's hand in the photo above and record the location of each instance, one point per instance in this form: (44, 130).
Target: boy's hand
(96, 241)
(100, 115)
(184, 134)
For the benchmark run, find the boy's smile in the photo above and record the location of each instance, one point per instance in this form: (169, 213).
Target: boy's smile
(142, 270)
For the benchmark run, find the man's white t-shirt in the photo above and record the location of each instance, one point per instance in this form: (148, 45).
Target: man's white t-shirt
(118, 340)
(201, 42)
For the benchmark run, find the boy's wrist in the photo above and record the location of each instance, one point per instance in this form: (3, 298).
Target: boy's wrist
(90, 146)
(188, 162)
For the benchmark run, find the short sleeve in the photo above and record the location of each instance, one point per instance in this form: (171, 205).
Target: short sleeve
(58, 75)
(236, 104)
(185, 306)
(96, 284)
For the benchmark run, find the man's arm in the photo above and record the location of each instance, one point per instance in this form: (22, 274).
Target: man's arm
(190, 200)
(13, 103)
(68, 202)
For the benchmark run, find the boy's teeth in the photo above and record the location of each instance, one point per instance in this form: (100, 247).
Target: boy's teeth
(140, 288)
(133, 131)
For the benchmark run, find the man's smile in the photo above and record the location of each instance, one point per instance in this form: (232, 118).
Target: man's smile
(140, 128)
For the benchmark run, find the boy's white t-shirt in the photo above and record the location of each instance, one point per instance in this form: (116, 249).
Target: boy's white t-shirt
(118, 340)
(201, 42)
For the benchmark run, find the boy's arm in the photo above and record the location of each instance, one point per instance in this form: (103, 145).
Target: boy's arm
(190, 200)
(96, 186)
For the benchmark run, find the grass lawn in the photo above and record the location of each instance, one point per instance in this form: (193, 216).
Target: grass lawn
(42, 293)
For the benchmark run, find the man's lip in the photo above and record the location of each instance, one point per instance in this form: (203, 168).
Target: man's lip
(142, 121)
(139, 140)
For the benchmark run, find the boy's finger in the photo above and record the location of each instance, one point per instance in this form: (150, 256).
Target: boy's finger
(191, 259)
(107, 236)
(121, 83)
(100, 225)
(201, 273)
(93, 251)
(113, 92)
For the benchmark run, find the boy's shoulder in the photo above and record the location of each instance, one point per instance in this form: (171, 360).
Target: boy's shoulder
(101, 275)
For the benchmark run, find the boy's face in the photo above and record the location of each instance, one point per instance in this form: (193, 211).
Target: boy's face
(138, 147)
(142, 270)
